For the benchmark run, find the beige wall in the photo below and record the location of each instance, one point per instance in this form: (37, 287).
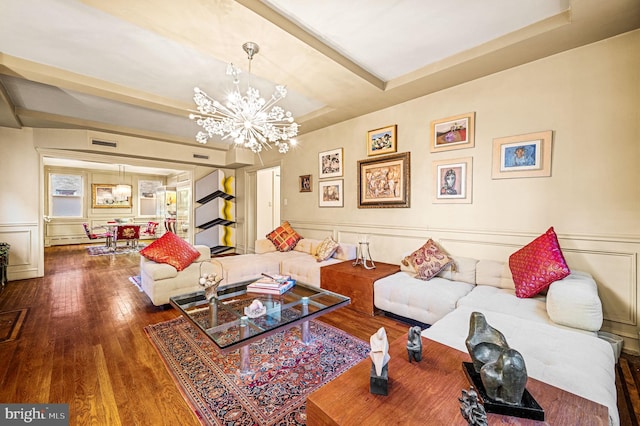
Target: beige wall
(589, 97)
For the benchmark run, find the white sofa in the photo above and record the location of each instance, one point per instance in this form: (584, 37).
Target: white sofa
(556, 333)
(160, 281)
(299, 263)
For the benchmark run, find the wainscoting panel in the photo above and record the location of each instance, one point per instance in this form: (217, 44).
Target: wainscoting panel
(24, 251)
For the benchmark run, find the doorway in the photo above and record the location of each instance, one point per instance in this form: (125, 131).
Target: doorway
(267, 200)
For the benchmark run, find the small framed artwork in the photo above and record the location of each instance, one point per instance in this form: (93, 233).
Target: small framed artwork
(382, 141)
(455, 132)
(522, 156)
(330, 163)
(305, 183)
(384, 181)
(452, 181)
(105, 196)
(331, 193)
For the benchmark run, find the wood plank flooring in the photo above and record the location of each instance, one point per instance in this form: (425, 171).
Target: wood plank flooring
(83, 343)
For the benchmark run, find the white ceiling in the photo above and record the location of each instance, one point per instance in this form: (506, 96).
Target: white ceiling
(129, 67)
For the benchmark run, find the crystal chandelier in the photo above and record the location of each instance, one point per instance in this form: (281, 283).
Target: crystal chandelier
(251, 121)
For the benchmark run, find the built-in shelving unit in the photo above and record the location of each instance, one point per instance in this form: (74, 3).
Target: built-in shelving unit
(216, 213)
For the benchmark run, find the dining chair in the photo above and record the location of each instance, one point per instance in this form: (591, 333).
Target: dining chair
(128, 233)
(108, 235)
(150, 230)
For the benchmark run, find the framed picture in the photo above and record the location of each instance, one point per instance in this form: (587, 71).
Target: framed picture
(453, 133)
(522, 156)
(331, 193)
(382, 141)
(104, 195)
(330, 163)
(384, 181)
(452, 181)
(147, 188)
(305, 183)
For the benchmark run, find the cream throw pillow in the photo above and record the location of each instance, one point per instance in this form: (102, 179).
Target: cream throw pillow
(326, 249)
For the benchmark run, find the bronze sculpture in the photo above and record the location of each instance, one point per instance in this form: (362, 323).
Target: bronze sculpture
(414, 344)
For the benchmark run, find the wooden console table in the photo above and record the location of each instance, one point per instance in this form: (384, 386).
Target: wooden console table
(426, 393)
(355, 282)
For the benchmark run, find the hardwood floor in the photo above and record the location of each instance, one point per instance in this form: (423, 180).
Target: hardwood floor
(83, 343)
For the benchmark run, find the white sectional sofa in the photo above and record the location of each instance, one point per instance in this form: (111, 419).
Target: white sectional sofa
(556, 332)
(160, 281)
(299, 263)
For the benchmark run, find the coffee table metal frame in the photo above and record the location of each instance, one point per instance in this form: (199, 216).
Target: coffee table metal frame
(301, 304)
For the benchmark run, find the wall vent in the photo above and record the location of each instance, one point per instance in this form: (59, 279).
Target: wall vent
(201, 157)
(104, 143)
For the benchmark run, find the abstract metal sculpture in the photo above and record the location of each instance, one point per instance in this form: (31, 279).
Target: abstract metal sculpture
(414, 344)
(472, 409)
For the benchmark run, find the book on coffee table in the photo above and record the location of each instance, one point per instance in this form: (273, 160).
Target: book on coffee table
(276, 284)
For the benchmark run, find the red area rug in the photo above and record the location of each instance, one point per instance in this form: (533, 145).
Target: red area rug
(285, 371)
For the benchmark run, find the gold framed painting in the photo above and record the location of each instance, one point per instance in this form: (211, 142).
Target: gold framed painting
(455, 132)
(384, 181)
(105, 196)
(522, 156)
(382, 141)
(452, 180)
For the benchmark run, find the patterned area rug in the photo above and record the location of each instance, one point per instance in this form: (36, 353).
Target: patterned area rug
(11, 324)
(137, 281)
(103, 250)
(284, 372)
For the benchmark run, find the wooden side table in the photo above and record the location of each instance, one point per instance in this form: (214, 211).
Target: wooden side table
(355, 282)
(426, 393)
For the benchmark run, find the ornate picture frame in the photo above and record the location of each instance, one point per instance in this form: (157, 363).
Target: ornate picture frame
(382, 141)
(331, 193)
(104, 196)
(330, 163)
(522, 156)
(306, 184)
(456, 132)
(452, 181)
(384, 181)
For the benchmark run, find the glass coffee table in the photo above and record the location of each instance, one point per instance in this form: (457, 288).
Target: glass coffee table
(225, 322)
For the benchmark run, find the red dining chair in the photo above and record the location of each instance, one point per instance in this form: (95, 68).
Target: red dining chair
(98, 235)
(150, 230)
(128, 233)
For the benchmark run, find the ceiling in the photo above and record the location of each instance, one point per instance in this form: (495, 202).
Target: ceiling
(129, 67)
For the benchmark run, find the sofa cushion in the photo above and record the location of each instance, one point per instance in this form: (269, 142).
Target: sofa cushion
(346, 251)
(264, 246)
(172, 250)
(427, 261)
(494, 273)
(326, 249)
(538, 264)
(307, 245)
(284, 237)
(574, 302)
(460, 269)
(403, 294)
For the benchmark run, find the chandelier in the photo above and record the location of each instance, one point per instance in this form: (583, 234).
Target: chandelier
(251, 121)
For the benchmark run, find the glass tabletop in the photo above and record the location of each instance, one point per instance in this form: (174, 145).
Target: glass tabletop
(225, 320)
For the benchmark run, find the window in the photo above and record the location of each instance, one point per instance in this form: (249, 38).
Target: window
(66, 196)
(147, 196)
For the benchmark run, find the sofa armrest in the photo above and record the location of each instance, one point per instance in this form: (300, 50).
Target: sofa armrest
(158, 271)
(205, 253)
(574, 302)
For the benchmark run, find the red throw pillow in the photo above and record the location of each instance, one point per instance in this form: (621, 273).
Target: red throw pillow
(172, 250)
(284, 237)
(537, 265)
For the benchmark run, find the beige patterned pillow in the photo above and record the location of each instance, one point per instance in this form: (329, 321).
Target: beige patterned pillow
(326, 249)
(428, 260)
